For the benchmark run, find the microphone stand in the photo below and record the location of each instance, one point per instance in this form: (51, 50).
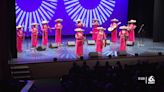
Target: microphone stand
(141, 30)
(27, 42)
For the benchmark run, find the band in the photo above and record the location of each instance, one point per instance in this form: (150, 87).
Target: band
(126, 34)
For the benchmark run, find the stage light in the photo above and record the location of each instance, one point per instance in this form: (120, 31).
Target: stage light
(102, 12)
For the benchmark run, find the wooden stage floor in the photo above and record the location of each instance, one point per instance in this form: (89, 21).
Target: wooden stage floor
(66, 53)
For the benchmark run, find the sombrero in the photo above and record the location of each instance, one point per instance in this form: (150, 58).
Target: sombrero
(95, 20)
(101, 28)
(78, 20)
(19, 26)
(79, 29)
(132, 21)
(58, 20)
(123, 27)
(44, 22)
(114, 20)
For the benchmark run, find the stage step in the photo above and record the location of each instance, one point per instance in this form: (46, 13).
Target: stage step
(19, 67)
(21, 72)
(22, 77)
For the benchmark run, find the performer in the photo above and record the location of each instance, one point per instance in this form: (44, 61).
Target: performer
(123, 37)
(94, 31)
(79, 42)
(101, 36)
(113, 29)
(131, 29)
(20, 37)
(58, 27)
(34, 35)
(79, 24)
(45, 28)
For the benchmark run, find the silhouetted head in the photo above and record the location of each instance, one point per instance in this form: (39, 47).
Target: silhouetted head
(84, 63)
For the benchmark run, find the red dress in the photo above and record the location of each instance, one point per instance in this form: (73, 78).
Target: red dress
(79, 43)
(34, 37)
(58, 28)
(95, 31)
(114, 37)
(99, 41)
(19, 40)
(131, 32)
(123, 36)
(45, 35)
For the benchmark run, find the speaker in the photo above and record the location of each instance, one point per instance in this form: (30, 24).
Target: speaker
(53, 45)
(108, 42)
(81, 58)
(55, 59)
(136, 54)
(93, 54)
(91, 42)
(71, 43)
(122, 53)
(129, 43)
(40, 48)
(160, 53)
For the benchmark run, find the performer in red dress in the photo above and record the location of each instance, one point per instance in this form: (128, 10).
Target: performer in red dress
(79, 24)
(20, 37)
(94, 31)
(131, 29)
(45, 28)
(58, 27)
(79, 41)
(123, 37)
(34, 35)
(100, 41)
(113, 29)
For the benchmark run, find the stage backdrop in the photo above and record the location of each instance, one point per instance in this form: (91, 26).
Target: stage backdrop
(29, 11)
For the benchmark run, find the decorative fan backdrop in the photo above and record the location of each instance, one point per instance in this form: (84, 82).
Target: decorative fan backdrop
(86, 10)
(28, 11)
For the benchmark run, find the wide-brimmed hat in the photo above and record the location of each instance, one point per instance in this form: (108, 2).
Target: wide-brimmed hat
(123, 27)
(79, 30)
(19, 26)
(58, 20)
(44, 22)
(78, 20)
(34, 24)
(114, 20)
(95, 19)
(132, 21)
(101, 28)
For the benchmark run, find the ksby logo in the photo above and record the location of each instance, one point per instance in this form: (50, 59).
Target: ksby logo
(151, 80)
(148, 80)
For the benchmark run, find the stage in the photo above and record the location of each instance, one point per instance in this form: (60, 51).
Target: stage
(67, 53)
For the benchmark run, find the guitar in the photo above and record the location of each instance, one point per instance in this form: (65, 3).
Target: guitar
(110, 29)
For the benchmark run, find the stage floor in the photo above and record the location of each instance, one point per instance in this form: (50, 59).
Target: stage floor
(66, 53)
